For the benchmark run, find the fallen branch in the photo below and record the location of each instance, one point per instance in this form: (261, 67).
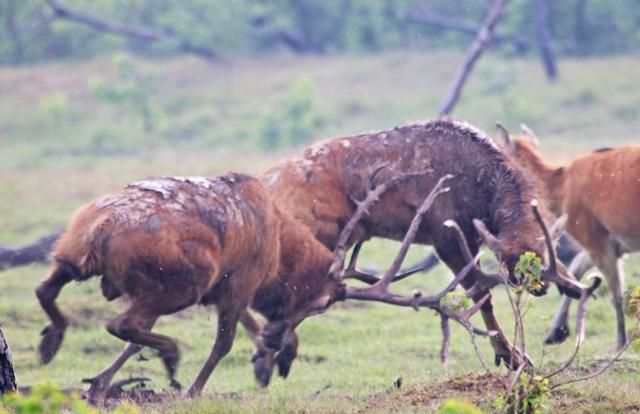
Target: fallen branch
(147, 34)
(37, 251)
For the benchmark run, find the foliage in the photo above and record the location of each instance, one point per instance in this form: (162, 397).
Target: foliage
(456, 300)
(529, 396)
(458, 407)
(131, 92)
(46, 398)
(631, 302)
(55, 106)
(528, 272)
(292, 122)
(578, 27)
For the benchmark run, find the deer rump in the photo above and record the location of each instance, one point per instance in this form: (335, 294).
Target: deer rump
(166, 244)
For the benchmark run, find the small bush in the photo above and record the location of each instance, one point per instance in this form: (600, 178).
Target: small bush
(293, 122)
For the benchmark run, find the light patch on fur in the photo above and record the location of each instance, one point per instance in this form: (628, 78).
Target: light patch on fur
(272, 178)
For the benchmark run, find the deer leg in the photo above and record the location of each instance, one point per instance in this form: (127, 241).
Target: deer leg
(263, 359)
(47, 293)
(450, 253)
(609, 264)
(266, 356)
(227, 322)
(132, 326)
(100, 383)
(271, 341)
(287, 354)
(559, 330)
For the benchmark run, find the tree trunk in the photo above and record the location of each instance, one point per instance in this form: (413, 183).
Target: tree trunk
(7, 375)
(17, 50)
(540, 14)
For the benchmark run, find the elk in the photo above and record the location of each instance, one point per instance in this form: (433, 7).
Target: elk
(600, 194)
(171, 242)
(490, 202)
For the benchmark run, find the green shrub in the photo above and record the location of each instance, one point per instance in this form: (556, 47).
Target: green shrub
(292, 122)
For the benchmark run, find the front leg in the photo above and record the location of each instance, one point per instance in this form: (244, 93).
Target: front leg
(504, 351)
(449, 252)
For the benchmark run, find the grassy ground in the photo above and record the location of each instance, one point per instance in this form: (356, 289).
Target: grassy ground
(60, 146)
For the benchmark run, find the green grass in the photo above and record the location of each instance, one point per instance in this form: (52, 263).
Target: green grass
(57, 156)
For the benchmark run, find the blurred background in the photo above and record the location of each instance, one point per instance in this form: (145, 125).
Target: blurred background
(98, 93)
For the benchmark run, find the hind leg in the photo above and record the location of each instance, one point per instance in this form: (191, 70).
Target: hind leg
(100, 383)
(559, 330)
(47, 292)
(134, 324)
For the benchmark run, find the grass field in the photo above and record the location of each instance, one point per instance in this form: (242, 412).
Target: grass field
(61, 145)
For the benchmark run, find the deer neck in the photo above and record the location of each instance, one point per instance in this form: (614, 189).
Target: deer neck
(550, 180)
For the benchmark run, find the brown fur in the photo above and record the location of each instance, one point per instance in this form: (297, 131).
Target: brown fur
(168, 243)
(317, 187)
(600, 193)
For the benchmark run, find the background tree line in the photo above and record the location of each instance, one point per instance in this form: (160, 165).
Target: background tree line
(36, 30)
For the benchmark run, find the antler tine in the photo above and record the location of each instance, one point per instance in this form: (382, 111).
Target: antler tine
(484, 282)
(553, 267)
(336, 270)
(413, 229)
(379, 293)
(354, 254)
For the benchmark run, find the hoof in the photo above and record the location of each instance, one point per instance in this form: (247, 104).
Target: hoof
(262, 369)
(513, 360)
(556, 335)
(284, 359)
(175, 384)
(97, 389)
(50, 343)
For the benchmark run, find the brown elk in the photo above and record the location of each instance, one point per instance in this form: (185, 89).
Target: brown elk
(490, 201)
(169, 243)
(600, 194)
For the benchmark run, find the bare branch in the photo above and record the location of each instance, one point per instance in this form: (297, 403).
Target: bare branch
(147, 34)
(420, 16)
(483, 37)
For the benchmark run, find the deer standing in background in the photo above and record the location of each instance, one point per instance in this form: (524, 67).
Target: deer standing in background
(600, 194)
(490, 200)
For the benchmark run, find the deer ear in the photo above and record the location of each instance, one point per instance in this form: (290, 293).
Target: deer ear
(490, 240)
(528, 132)
(506, 137)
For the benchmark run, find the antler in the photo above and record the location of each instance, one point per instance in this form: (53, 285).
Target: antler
(568, 285)
(379, 291)
(336, 270)
(484, 282)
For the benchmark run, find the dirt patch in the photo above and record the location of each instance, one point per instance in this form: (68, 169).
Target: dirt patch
(480, 389)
